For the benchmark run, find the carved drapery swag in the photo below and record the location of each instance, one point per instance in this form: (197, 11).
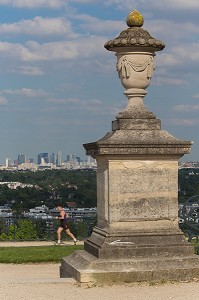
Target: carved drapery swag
(124, 64)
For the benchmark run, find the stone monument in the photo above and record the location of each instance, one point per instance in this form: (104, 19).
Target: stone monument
(137, 237)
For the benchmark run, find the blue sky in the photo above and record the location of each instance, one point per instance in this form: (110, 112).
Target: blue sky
(58, 84)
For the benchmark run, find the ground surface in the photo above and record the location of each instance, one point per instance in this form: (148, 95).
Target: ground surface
(42, 282)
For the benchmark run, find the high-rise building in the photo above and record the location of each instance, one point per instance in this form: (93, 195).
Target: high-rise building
(8, 162)
(21, 159)
(44, 156)
(59, 158)
(70, 157)
(52, 159)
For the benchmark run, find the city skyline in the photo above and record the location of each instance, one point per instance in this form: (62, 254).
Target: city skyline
(59, 87)
(45, 157)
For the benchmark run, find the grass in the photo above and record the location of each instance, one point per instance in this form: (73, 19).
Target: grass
(195, 243)
(35, 254)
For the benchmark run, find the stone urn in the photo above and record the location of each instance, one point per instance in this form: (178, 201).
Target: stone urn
(135, 50)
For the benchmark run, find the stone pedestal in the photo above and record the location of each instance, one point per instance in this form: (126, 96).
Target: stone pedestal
(137, 237)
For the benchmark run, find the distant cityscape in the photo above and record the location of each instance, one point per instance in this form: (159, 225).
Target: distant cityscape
(46, 161)
(46, 213)
(189, 164)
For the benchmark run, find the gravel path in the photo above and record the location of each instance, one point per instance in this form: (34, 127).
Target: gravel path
(35, 244)
(42, 282)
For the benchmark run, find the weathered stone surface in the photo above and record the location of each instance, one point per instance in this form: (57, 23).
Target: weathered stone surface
(135, 124)
(129, 244)
(86, 268)
(134, 37)
(139, 142)
(138, 190)
(137, 237)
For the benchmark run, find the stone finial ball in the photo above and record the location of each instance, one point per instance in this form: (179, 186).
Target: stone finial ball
(135, 19)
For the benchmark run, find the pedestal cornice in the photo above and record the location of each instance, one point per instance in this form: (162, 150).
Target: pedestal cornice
(138, 142)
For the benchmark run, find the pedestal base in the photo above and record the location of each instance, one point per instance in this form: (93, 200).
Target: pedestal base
(137, 237)
(131, 243)
(132, 257)
(85, 268)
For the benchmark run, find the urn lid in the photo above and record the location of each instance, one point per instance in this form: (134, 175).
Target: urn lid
(134, 37)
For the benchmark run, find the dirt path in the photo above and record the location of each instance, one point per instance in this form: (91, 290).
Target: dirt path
(42, 282)
(35, 243)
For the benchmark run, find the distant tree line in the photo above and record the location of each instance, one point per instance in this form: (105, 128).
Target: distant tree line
(188, 184)
(28, 229)
(63, 186)
(50, 186)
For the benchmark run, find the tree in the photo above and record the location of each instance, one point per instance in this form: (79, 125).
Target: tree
(22, 230)
(49, 185)
(26, 230)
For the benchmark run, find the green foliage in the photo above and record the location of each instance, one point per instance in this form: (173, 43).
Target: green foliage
(189, 184)
(27, 229)
(49, 186)
(22, 230)
(44, 232)
(195, 243)
(1, 225)
(82, 229)
(4, 237)
(42, 254)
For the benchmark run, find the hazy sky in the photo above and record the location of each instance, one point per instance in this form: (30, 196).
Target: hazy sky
(59, 87)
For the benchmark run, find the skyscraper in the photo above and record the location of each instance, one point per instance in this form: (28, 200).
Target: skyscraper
(59, 158)
(52, 159)
(21, 159)
(8, 162)
(44, 156)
